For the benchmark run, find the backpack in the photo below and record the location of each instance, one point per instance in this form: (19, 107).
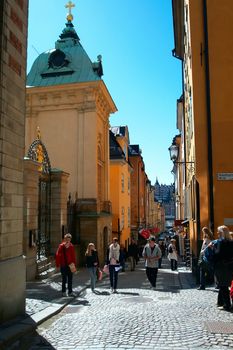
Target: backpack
(170, 250)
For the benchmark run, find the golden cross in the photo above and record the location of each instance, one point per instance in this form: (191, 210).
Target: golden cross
(69, 6)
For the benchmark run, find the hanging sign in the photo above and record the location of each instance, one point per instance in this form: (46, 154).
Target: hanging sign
(225, 176)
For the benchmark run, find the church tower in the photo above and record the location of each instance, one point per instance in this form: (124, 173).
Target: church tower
(70, 103)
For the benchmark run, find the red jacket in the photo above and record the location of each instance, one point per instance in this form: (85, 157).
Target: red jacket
(65, 256)
(231, 290)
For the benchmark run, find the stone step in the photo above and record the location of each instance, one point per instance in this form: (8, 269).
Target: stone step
(46, 274)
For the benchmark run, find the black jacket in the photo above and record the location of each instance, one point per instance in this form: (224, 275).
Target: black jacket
(92, 259)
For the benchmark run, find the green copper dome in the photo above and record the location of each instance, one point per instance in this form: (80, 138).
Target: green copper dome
(67, 63)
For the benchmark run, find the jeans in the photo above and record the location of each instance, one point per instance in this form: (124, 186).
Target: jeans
(151, 273)
(202, 277)
(132, 263)
(92, 272)
(173, 264)
(113, 276)
(67, 276)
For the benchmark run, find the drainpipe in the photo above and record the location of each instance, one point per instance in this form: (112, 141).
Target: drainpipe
(209, 128)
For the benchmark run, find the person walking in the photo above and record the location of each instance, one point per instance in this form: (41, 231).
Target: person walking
(92, 262)
(65, 259)
(203, 266)
(113, 260)
(162, 248)
(172, 254)
(123, 256)
(133, 254)
(222, 257)
(151, 254)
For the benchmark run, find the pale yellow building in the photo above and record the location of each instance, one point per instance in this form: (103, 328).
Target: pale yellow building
(70, 103)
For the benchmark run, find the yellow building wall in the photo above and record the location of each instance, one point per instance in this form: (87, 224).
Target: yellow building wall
(220, 19)
(221, 77)
(120, 199)
(73, 124)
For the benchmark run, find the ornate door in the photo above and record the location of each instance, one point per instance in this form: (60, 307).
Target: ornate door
(38, 152)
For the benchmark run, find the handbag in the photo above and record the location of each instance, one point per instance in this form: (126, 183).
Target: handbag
(99, 274)
(106, 269)
(72, 267)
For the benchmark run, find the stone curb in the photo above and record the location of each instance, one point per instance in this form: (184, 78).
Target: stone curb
(12, 331)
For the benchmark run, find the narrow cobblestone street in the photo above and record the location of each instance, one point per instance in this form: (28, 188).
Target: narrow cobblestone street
(174, 316)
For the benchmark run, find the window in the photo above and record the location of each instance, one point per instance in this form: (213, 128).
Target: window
(122, 217)
(122, 183)
(128, 217)
(128, 185)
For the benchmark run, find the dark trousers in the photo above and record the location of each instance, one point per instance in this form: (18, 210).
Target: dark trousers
(151, 273)
(173, 264)
(67, 276)
(113, 274)
(160, 263)
(202, 277)
(224, 297)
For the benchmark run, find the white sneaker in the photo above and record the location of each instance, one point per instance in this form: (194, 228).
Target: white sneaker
(64, 294)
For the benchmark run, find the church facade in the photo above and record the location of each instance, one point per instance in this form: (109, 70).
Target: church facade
(70, 103)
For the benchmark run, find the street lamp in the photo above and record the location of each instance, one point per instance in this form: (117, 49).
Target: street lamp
(174, 155)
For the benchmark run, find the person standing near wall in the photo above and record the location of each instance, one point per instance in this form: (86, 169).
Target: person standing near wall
(133, 254)
(203, 266)
(152, 254)
(65, 259)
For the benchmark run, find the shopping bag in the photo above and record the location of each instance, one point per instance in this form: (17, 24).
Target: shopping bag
(118, 268)
(72, 267)
(99, 274)
(106, 269)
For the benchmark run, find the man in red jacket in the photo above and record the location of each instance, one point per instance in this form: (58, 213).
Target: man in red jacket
(65, 256)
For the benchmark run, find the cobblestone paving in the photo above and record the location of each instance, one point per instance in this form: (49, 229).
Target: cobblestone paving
(137, 318)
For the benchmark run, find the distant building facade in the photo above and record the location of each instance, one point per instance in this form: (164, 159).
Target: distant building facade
(164, 194)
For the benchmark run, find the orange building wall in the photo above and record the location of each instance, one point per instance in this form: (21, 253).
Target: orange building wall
(119, 199)
(220, 19)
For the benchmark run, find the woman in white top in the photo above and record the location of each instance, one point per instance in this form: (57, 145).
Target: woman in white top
(172, 254)
(114, 255)
(207, 236)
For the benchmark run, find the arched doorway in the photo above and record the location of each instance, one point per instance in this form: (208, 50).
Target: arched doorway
(37, 151)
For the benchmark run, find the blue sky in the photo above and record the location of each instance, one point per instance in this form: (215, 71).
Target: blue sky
(135, 39)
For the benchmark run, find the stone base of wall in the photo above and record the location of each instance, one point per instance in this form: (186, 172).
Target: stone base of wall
(31, 268)
(12, 288)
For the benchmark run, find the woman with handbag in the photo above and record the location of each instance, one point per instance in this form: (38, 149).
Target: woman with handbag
(207, 236)
(114, 266)
(172, 254)
(65, 259)
(92, 263)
